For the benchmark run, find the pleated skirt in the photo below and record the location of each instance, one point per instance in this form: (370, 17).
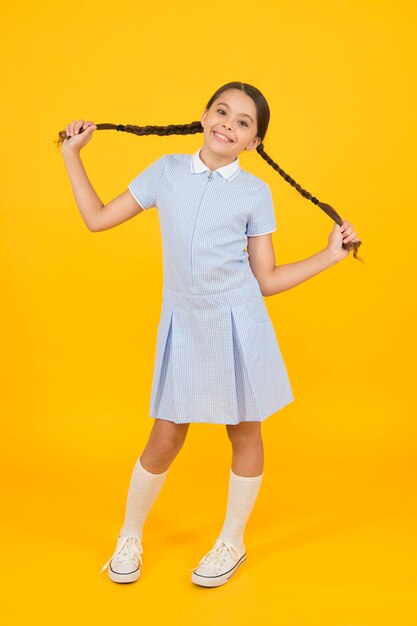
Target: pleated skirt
(217, 359)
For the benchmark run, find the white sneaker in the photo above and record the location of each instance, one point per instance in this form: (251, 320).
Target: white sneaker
(126, 561)
(218, 565)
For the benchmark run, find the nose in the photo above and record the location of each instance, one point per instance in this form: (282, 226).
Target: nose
(227, 125)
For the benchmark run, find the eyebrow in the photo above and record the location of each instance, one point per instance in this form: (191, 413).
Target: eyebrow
(242, 114)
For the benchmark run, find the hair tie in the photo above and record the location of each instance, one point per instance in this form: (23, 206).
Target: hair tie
(120, 127)
(313, 199)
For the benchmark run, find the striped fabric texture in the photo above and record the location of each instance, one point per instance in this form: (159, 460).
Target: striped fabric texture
(217, 357)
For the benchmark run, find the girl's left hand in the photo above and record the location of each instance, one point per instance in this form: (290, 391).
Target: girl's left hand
(340, 235)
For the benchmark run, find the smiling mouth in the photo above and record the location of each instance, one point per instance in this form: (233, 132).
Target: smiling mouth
(221, 137)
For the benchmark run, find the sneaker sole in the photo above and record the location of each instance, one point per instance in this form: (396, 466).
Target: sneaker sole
(128, 577)
(216, 581)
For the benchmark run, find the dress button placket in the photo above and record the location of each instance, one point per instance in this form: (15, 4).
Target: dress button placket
(209, 178)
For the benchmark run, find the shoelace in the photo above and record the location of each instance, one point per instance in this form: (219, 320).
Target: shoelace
(216, 556)
(128, 548)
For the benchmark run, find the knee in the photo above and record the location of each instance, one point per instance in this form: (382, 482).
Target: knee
(167, 448)
(174, 444)
(167, 440)
(242, 435)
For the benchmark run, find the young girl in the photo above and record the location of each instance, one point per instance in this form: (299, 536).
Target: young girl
(217, 357)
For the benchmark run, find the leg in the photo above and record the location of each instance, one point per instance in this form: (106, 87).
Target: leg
(149, 473)
(245, 479)
(247, 448)
(164, 443)
(220, 563)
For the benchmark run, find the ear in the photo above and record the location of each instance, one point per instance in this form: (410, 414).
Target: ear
(254, 143)
(203, 117)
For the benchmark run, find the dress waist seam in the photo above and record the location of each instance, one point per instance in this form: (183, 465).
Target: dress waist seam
(218, 299)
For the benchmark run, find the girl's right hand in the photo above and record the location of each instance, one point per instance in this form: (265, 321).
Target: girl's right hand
(75, 140)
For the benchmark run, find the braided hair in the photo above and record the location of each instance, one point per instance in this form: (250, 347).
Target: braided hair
(263, 116)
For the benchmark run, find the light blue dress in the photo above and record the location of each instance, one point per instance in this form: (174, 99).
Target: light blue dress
(217, 358)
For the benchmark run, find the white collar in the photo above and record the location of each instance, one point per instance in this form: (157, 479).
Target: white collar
(228, 171)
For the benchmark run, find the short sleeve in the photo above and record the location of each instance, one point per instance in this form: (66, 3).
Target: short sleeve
(144, 187)
(262, 219)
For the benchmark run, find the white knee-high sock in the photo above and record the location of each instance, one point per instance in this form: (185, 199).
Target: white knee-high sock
(144, 487)
(243, 491)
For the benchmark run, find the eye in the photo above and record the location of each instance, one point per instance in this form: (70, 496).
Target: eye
(223, 111)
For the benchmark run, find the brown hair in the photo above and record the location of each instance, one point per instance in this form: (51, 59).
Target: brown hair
(262, 115)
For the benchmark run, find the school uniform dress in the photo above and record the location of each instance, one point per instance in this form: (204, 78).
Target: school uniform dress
(217, 358)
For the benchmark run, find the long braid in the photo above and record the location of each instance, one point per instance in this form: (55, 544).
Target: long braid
(196, 127)
(171, 129)
(329, 210)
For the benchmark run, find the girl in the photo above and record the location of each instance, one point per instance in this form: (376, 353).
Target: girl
(217, 357)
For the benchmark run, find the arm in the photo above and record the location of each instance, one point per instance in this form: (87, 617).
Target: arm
(96, 216)
(273, 279)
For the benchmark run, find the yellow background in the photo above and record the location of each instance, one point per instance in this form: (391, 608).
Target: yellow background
(332, 537)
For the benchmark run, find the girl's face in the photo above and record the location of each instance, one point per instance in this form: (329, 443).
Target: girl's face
(232, 116)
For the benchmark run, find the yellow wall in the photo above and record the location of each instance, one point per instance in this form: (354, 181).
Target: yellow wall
(332, 537)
